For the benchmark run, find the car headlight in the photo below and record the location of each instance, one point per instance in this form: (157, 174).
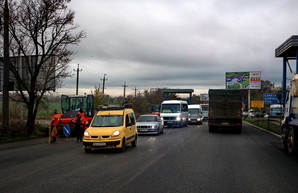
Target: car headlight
(86, 134)
(115, 134)
(178, 118)
(153, 126)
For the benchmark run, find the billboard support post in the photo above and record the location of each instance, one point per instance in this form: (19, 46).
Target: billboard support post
(248, 100)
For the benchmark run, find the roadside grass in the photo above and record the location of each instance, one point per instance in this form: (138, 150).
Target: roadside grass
(17, 129)
(8, 139)
(264, 124)
(18, 133)
(18, 113)
(45, 111)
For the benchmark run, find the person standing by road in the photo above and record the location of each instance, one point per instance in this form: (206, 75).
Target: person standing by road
(80, 123)
(54, 126)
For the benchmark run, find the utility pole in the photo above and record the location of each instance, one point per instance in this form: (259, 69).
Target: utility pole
(78, 71)
(135, 89)
(5, 105)
(124, 90)
(103, 83)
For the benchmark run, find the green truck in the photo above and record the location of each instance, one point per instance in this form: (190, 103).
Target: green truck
(225, 109)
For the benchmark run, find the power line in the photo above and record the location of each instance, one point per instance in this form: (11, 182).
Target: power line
(103, 83)
(78, 72)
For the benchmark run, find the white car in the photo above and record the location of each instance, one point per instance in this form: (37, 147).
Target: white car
(245, 114)
(149, 124)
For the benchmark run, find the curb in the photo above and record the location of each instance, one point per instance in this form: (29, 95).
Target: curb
(30, 142)
(274, 134)
(23, 143)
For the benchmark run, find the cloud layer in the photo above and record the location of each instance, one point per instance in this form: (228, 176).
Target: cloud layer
(178, 44)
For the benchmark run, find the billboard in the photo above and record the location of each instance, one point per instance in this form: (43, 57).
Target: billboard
(204, 97)
(45, 79)
(243, 80)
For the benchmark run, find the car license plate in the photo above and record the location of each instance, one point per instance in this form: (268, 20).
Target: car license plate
(144, 130)
(169, 121)
(224, 123)
(99, 144)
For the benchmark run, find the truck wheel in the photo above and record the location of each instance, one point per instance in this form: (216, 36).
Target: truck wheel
(291, 142)
(211, 129)
(239, 129)
(284, 137)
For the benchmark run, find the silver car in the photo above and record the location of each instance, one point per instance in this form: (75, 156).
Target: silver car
(149, 124)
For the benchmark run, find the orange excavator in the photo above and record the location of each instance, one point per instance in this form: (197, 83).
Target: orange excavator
(71, 105)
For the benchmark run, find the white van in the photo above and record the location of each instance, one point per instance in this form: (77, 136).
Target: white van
(174, 113)
(276, 110)
(195, 114)
(205, 110)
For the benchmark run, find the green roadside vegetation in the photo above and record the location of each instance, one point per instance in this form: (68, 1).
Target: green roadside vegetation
(16, 133)
(8, 139)
(265, 124)
(17, 130)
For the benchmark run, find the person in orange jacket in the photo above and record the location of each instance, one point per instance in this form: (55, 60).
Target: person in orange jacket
(80, 123)
(54, 126)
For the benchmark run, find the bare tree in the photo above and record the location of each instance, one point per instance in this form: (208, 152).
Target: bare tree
(41, 32)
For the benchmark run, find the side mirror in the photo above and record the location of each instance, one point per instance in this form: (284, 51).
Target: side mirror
(128, 124)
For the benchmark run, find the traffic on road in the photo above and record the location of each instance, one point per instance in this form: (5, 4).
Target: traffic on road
(186, 159)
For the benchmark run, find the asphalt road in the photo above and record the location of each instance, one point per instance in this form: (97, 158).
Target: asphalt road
(182, 160)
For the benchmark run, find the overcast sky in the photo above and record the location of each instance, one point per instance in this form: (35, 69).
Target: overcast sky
(187, 44)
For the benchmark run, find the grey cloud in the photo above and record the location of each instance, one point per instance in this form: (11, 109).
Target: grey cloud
(188, 43)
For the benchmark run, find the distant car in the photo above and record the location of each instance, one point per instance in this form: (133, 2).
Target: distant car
(252, 114)
(245, 114)
(259, 114)
(149, 124)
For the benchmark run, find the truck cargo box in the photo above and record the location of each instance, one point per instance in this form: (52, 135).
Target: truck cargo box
(224, 109)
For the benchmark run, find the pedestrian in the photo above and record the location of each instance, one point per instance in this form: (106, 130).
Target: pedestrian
(54, 126)
(80, 123)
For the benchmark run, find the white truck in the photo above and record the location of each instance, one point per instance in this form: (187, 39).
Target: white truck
(275, 110)
(289, 127)
(174, 113)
